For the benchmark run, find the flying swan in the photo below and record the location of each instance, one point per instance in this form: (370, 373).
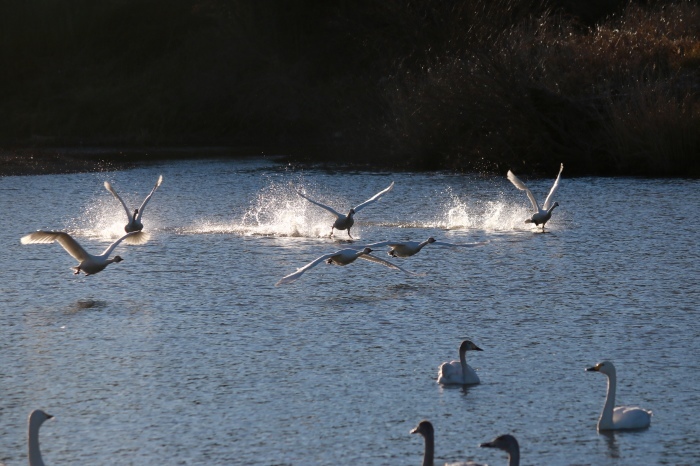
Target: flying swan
(36, 419)
(345, 222)
(89, 264)
(342, 257)
(622, 417)
(410, 248)
(425, 429)
(507, 443)
(545, 213)
(135, 219)
(459, 372)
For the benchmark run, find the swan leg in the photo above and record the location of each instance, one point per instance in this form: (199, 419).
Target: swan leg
(77, 270)
(350, 234)
(331, 235)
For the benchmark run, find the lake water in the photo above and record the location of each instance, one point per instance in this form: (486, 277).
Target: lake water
(186, 352)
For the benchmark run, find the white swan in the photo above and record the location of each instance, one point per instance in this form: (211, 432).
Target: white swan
(89, 264)
(342, 257)
(459, 372)
(36, 419)
(507, 443)
(410, 248)
(135, 219)
(345, 222)
(545, 213)
(425, 428)
(622, 417)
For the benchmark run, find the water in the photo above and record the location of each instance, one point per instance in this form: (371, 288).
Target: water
(186, 352)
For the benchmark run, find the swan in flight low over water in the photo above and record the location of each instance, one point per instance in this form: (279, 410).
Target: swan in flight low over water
(622, 417)
(135, 219)
(345, 222)
(342, 257)
(89, 264)
(541, 216)
(459, 372)
(36, 419)
(410, 248)
(507, 443)
(425, 429)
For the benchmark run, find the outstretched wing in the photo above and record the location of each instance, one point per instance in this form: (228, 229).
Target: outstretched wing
(323, 206)
(550, 196)
(371, 246)
(148, 198)
(463, 245)
(295, 275)
(375, 197)
(371, 258)
(521, 186)
(114, 193)
(64, 239)
(111, 247)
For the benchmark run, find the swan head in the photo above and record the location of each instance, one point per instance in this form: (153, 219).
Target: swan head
(136, 211)
(431, 240)
(606, 367)
(351, 213)
(468, 345)
(117, 259)
(503, 442)
(38, 416)
(425, 428)
(366, 250)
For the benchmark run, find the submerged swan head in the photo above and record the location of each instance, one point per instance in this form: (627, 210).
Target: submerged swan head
(468, 345)
(606, 367)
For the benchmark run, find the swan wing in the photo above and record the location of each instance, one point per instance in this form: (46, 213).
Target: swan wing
(374, 198)
(148, 198)
(300, 271)
(109, 188)
(521, 186)
(381, 244)
(371, 258)
(631, 417)
(323, 206)
(111, 247)
(450, 372)
(139, 237)
(550, 196)
(64, 239)
(463, 245)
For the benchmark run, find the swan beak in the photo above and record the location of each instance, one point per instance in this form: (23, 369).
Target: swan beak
(48, 416)
(476, 348)
(592, 369)
(487, 445)
(414, 431)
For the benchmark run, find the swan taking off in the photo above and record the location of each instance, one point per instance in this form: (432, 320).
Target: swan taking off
(345, 222)
(410, 248)
(135, 219)
(459, 372)
(545, 213)
(507, 443)
(36, 419)
(342, 257)
(622, 417)
(425, 428)
(89, 264)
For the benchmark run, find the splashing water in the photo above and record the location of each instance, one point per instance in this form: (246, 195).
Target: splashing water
(490, 215)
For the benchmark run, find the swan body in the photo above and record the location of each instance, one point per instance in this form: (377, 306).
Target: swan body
(36, 419)
(459, 372)
(342, 257)
(134, 223)
(88, 263)
(410, 248)
(345, 222)
(426, 430)
(507, 443)
(621, 417)
(541, 216)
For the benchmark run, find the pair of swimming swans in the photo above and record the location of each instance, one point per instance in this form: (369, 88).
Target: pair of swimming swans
(507, 443)
(541, 215)
(345, 222)
(342, 257)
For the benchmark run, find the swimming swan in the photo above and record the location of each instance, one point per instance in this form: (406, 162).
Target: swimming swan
(545, 213)
(459, 372)
(342, 257)
(345, 222)
(89, 264)
(36, 419)
(622, 417)
(507, 443)
(425, 428)
(135, 219)
(410, 248)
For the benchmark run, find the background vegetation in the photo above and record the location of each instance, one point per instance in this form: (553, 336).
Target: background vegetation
(605, 86)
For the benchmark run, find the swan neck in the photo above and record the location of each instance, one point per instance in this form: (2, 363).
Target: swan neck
(514, 457)
(34, 451)
(606, 417)
(463, 363)
(429, 452)
(551, 209)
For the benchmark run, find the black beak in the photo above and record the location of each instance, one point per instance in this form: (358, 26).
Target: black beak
(591, 369)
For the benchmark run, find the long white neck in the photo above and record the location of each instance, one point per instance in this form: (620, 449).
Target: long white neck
(429, 452)
(606, 417)
(34, 452)
(463, 363)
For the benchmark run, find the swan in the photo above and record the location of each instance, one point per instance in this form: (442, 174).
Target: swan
(36, 419)
(507, 443)
(410, 248)
(622, 417)
(89, 264)
(345, 222)
(459, 372)
(342, 257)
(135, 219)
(425, 428)
(545, 213)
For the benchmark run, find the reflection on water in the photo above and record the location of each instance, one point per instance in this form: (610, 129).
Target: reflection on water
(189, 330)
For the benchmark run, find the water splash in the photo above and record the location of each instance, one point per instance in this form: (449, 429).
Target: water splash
(490, 215)
(101, 219)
